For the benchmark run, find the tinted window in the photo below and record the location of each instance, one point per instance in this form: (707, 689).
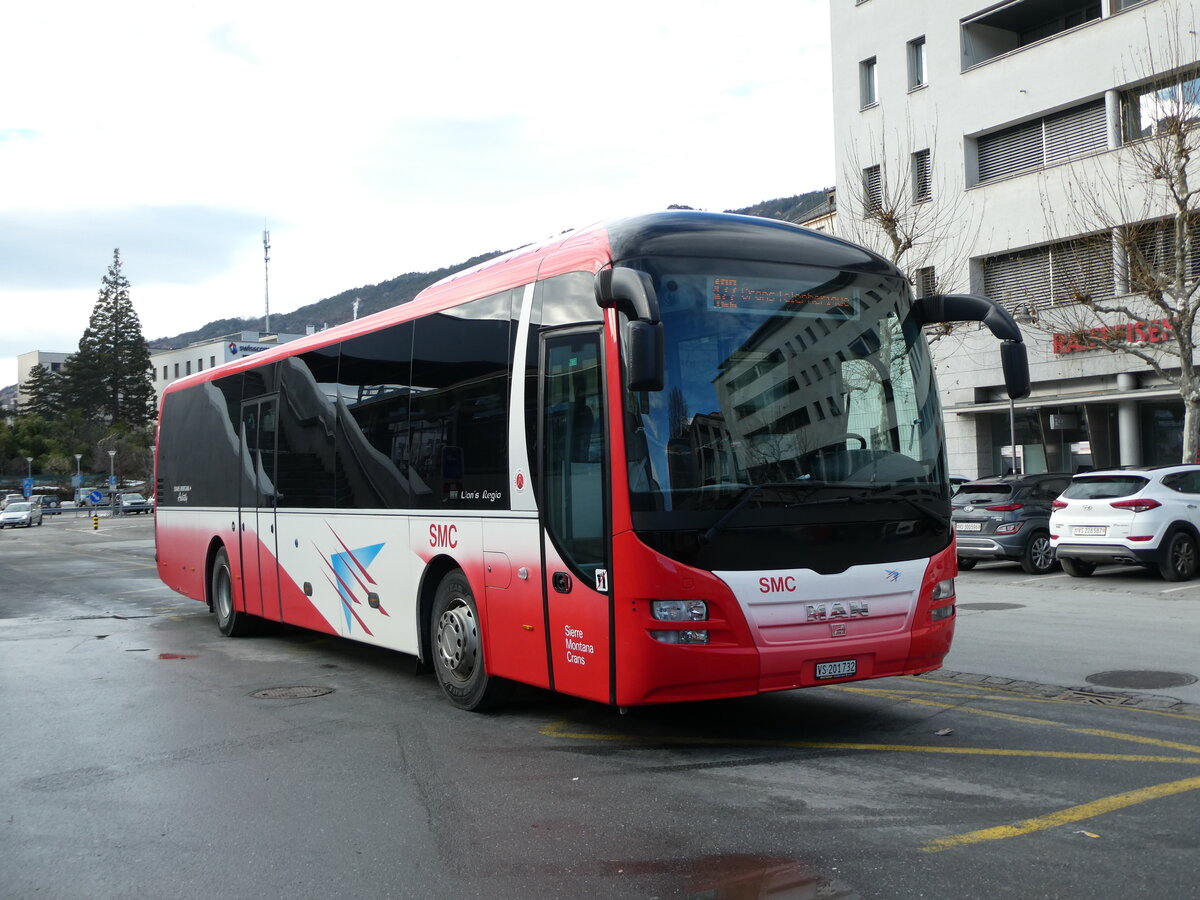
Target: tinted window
(198, 446)
(568, 299)
(1183, 482)
(458, 427)
(982, 493)
(373, 413)
(307, 473)
(573, 467)
(1103, 487)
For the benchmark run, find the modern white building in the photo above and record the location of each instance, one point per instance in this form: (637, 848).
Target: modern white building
(1007, 126)
(168, 365)
(25, 363)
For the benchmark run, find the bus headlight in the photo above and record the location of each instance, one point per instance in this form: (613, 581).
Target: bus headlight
(679, 611)
(680, 637)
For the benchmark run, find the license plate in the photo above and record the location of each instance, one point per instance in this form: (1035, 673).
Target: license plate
(1090, 529)
(968, 526)
(840, 669)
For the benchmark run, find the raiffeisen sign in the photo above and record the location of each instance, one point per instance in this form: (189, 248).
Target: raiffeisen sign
(1151, 331)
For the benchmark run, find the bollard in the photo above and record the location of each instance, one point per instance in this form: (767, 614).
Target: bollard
(95, 521)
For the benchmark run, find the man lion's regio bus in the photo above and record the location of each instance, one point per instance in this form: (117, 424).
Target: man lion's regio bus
(674, 457)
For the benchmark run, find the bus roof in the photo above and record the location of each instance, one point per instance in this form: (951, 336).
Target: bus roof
(670, 233)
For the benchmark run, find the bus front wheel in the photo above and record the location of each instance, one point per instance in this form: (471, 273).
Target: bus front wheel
(231, 622)
(456, 638)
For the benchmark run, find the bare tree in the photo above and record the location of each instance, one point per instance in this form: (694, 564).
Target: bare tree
(902, 205)
(1143, 215)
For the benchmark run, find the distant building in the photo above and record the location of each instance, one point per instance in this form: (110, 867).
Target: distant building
(168, 365)
(987, 111)
(25, 363)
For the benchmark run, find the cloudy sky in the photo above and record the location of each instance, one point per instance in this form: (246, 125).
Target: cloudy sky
(371, 139)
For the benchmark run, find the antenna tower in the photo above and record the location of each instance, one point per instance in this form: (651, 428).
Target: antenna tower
(267, 281)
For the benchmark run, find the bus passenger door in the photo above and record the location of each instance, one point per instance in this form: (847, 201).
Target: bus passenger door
(575, 515)
(256, 526)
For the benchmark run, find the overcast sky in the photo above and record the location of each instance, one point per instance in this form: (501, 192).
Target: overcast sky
(371, 139)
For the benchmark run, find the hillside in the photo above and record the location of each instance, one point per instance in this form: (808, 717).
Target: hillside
(374, 297)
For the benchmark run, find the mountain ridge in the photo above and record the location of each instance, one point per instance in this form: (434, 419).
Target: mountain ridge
(375, 297)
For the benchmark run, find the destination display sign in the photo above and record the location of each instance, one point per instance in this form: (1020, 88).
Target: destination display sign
(779, 295)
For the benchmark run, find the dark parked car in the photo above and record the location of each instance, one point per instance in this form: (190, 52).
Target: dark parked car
(1007, 517)
(48, 502)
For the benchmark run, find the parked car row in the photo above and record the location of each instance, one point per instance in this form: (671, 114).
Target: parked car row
(1145, 516)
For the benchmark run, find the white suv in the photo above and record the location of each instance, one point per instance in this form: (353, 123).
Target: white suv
(1139, 516)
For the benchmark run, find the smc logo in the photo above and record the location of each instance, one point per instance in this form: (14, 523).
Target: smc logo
(777, 585)
(443, 536)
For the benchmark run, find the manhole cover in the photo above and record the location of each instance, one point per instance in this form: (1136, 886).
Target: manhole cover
(1140, 679)
(296, 692)
(990, 605)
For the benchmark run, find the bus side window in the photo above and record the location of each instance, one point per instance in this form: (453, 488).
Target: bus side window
(573, 451)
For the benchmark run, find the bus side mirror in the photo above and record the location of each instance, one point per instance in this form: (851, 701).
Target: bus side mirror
(975, 308)
(632, 293)
(644, 356)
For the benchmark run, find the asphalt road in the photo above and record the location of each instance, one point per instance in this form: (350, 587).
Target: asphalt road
(139, 758)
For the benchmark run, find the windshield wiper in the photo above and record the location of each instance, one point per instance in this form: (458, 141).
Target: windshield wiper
(753, 491)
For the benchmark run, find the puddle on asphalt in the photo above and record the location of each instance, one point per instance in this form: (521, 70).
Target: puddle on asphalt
(745, 877)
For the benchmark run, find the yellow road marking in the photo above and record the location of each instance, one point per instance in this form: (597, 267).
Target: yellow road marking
(1066, 816)
(558, 730)
(982, 693)
(1027, 720)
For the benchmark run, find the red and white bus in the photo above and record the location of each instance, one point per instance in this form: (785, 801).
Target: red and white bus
(675, 457)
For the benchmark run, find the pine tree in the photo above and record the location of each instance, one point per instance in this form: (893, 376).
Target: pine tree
(110, 374)
(44, 389)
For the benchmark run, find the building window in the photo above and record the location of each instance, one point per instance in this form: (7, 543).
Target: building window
(1052, 275)
(1149, 250)
(872, 189)
(1161, 107)
(154, 373)
(922, 186)
(55, 367)
(200, 364)
(176, 370)
(926, 282)
(1017, 24)
(916, 63)
(1042, 142)
(188, 363)
(212, 361)
(867, 83)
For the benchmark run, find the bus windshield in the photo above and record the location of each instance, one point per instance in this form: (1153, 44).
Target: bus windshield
(798, 405)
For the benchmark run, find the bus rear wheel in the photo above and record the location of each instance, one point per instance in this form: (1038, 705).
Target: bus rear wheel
(232, 622)
(456, 639)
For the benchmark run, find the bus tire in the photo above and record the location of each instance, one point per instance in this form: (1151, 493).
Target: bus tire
(230, 621)
(456, 641)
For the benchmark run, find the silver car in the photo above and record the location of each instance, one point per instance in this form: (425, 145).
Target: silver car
(21, 513)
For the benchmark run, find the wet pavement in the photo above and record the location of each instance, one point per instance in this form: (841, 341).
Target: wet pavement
(143, 754)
